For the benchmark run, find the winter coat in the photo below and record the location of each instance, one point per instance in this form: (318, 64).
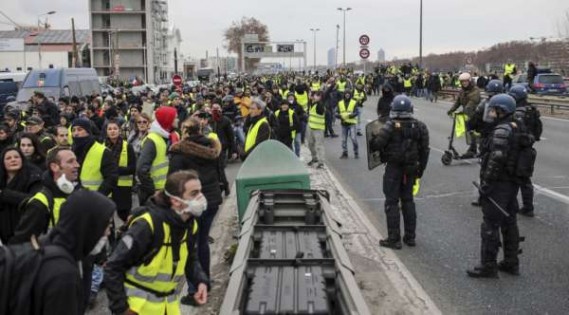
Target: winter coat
(26, 183)
(200, 154)
(224, 131)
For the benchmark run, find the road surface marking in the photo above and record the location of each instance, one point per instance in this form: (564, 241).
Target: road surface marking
(552, 194)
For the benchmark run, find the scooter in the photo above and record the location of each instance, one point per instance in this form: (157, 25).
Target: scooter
(451, 153)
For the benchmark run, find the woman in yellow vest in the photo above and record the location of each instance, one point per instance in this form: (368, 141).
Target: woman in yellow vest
(288, 124)
(123, 154)
(257, 126)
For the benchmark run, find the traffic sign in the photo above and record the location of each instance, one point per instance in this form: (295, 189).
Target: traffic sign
(364, 53)
(177, 80)
(364, 40)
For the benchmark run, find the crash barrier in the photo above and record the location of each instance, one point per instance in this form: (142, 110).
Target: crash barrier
(555, 103)
(291, 260)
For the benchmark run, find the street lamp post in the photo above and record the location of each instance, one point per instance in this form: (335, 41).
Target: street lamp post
(314, 30)
(344, 43)
(45, 25)
(421, 34)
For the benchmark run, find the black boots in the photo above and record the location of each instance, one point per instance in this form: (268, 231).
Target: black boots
(393, 244)
(488, 270)
(393, 228)
(409, 222)
(509, 268)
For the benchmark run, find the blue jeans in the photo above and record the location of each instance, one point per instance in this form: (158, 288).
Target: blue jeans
(97, 278)
(351, 132)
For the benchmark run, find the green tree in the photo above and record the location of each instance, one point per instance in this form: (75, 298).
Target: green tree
(235, 33)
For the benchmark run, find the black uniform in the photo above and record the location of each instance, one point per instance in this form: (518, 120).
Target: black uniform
(528, 115)
(404, 145)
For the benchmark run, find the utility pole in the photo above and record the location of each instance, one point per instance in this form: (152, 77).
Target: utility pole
(314, 30)
(175, 60)
(344, 53)
(421, 35)
(337, 45)
(75, 59)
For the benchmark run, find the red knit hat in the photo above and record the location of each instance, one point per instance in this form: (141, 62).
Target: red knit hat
(165, 116)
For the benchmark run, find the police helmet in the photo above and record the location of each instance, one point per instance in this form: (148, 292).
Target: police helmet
(518, 92)
(504, 102)
(401, 107)
(495, 86)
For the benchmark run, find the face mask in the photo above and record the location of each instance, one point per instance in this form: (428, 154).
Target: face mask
(291, 102)
(195, 207)
(99, 247)
(65, 185)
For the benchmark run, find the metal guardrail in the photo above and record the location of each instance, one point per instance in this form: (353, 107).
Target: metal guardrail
(555, 103)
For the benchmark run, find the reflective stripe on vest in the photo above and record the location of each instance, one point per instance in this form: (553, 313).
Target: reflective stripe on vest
(345, 113)
(91, 176)
(57, 202)
(160, 275)
(290, 119)
(252, 134)
(315, 120)
(159, 169)
(302, 100)
(124, 180)
(341, 86)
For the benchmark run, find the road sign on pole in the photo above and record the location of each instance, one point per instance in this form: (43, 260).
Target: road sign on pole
(364, 53)
(364, 40)
(177, 80)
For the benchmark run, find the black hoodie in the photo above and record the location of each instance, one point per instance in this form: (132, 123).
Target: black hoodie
(384, 104)
(58, 289)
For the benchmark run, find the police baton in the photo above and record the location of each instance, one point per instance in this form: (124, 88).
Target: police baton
(490, 198)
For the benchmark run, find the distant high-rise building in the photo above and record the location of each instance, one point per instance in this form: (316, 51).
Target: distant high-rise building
(381, 55)
(332, 58)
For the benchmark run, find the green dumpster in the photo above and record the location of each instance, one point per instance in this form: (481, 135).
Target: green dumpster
(270, 166)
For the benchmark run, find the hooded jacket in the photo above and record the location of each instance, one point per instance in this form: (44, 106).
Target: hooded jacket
(83, 221)
(137, 242)
(384, 103)
(200, 154)
(36, 216)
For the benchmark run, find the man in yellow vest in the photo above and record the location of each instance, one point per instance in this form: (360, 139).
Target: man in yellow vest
(407, 85)
(99, 170)
(348, 111)
(360, 96)
(144, 273)
(152, 164)
(509, 72)
(42, 210)
(315, 130)
(288, 124)
(257, 126)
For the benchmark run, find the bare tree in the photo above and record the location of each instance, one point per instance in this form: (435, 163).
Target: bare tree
(234, 34)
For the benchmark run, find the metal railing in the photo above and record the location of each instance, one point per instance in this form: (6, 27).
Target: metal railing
(555, 103)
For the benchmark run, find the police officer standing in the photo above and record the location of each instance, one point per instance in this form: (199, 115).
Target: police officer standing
(498, 187)
(404, 144)
(530, 117)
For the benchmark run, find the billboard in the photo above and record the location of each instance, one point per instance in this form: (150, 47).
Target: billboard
(11, 44)
(285, 48)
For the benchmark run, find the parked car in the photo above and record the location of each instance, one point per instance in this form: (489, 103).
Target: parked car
(543, 83)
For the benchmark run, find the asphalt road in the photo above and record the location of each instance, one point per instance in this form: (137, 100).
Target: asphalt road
(448, 232)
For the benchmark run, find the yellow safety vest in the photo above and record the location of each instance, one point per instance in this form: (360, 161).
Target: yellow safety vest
(159, 169)
(284, 94)
(91, 176)
(509, 69)
(124, 180)
(252, 134)
(160, 275)
(302, 100)
(341, 86)
(57, 202)
(315, 86)
(361, 81)
(407, 83)
(346, 112)
(212, 135)
(315, 120)
(358, 96)
(290, 119)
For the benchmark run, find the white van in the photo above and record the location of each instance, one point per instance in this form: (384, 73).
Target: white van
(60, 82)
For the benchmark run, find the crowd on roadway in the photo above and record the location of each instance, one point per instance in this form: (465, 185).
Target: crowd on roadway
(157, 161)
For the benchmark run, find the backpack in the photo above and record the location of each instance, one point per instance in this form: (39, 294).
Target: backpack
(24, 203)
(523, 154)
(19, 267)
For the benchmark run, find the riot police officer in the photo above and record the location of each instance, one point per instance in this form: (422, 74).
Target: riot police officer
(499, 188)
(404, 145)
(530, 117)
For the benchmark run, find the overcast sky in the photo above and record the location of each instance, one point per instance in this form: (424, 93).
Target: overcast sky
(392, 25)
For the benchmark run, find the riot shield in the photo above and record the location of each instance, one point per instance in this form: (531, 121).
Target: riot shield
(373, 157)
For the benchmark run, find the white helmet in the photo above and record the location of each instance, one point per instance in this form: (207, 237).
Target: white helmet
(465, 76)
